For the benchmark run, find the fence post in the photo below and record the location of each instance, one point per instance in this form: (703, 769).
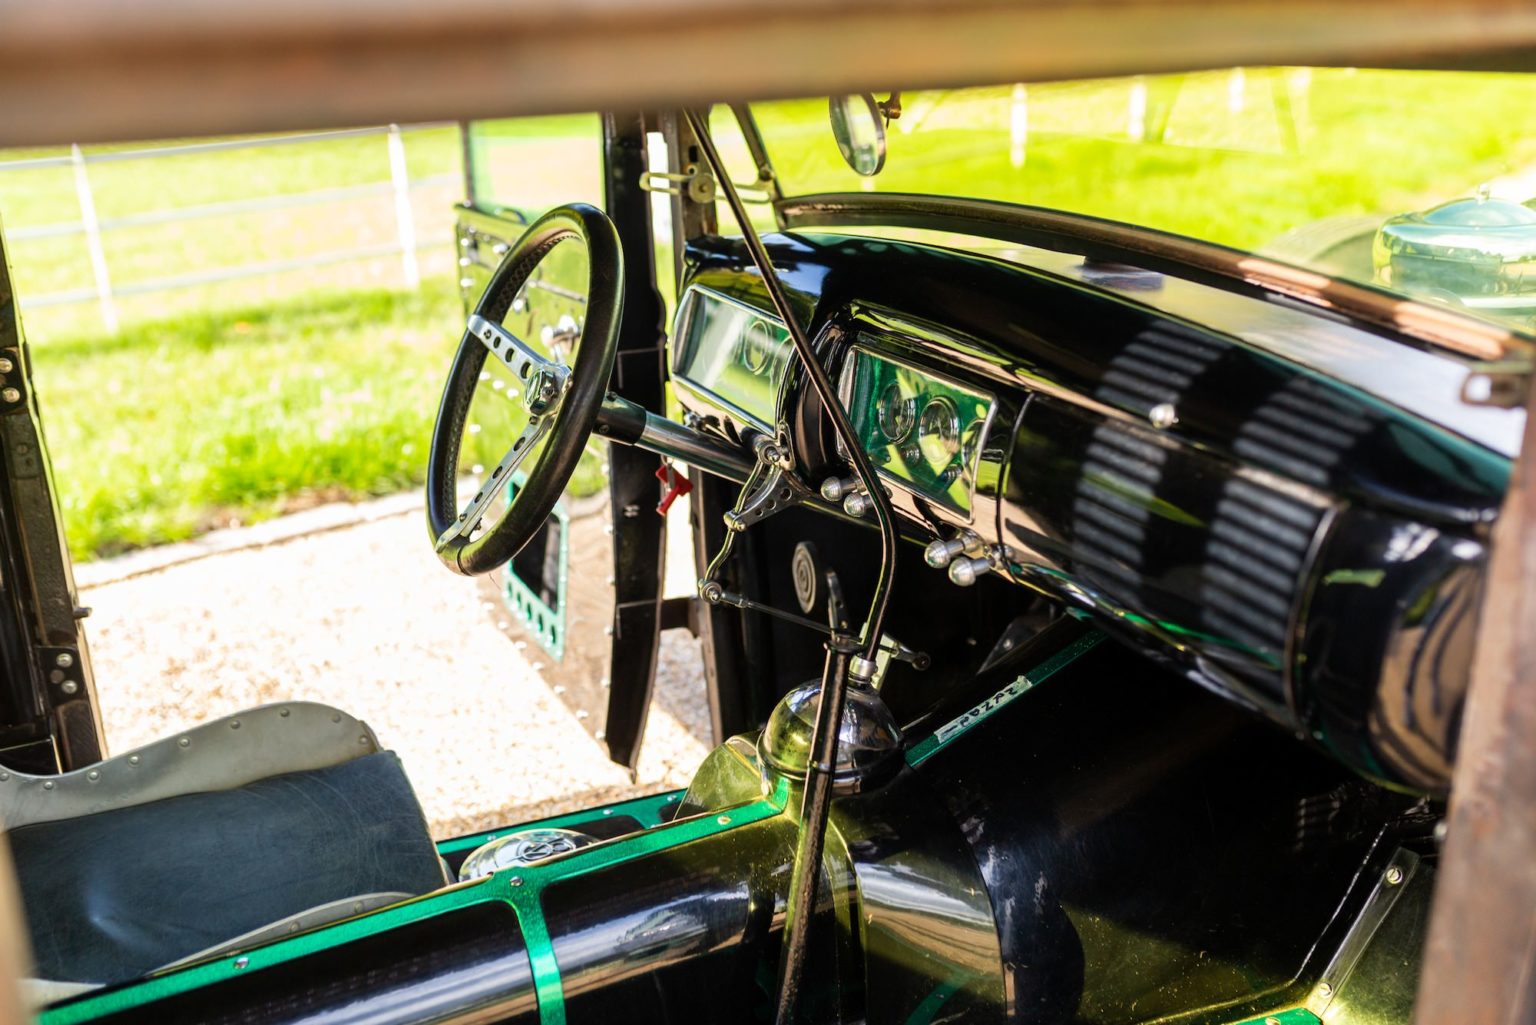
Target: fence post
(405, 219)
(92, 228)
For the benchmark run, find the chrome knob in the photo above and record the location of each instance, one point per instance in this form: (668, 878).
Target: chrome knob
(965, 572)
(857, 504)
(835, 489)
(940, 553)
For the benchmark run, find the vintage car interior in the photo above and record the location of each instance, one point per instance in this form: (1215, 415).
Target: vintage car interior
(1087, 612)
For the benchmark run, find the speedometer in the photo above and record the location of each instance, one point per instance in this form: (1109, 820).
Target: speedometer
(896, 411)
(938, 433)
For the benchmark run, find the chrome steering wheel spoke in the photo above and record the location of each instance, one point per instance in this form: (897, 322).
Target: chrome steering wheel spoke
(544, 380)
(469, 517)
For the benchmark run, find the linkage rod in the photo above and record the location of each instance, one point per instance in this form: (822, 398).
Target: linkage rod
(816, 804)
(884, 516)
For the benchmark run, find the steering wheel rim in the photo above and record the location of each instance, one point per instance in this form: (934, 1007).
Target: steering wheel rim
(563, 401)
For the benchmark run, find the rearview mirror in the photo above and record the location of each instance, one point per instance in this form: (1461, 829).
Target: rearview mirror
(859, 127)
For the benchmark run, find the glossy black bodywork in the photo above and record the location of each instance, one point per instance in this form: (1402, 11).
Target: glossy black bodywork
(1113, 846)
(1183, 485)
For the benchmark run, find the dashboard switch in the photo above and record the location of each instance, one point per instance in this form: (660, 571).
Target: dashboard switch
(965, 572)
(835, 489)
(941, 553)
(857, 504)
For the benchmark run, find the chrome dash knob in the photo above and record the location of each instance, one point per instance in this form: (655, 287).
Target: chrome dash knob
(965, 572)
(835, 489)
(941, 553)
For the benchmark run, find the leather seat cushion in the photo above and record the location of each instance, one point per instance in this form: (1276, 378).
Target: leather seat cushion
(114, 895)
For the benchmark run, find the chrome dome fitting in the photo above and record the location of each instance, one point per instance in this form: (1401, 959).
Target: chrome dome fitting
(869, 742)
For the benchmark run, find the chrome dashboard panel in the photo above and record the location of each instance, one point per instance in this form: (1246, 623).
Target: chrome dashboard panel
(730, 353)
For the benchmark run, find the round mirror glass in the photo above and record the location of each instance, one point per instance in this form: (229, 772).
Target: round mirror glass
(860, 132)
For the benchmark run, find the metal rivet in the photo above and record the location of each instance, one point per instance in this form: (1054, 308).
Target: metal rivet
(48, 784)
(362, 740)
(293, 926)
(516, 880)
(133, 759)
(1271, 1021)
(671, 798)
(1163, 415)
(185, 741)
(64, 660)
(724, 820)
(241, 962)
(6, 366)
(234, 724)
(69, 687)
(607, 811)
(10, 395)
(1324, 989)
(5, 777)
(283, 712)
(1394, 876)
(55, 676)
(336, 717)
(93, 775)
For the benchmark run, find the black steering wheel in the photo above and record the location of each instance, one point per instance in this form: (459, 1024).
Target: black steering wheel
(542, 390)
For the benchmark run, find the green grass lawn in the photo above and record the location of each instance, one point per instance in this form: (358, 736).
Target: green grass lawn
(286, 391)
(181, 425)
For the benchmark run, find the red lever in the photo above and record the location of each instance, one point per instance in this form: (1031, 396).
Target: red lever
(674, 486)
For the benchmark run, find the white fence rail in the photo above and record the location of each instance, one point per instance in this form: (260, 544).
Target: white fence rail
(400, 185)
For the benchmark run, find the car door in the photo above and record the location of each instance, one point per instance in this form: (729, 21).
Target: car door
(583, 600)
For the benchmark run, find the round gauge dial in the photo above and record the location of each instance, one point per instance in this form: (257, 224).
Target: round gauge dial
(897, 413)
(757, 348)
(938, 432)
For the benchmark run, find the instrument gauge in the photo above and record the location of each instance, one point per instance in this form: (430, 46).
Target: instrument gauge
(938, 432)
(757, 348)
(897, 413)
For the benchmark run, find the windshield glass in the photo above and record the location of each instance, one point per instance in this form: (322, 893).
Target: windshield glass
(1348, 171)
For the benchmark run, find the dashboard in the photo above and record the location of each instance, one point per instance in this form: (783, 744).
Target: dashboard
(1308, 549)
(922, 429)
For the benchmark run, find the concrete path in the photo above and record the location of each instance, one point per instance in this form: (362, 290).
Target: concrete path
(348, 606)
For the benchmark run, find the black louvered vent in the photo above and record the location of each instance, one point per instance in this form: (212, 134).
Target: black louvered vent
(1112, 509)
(1302, 430)
(1255, 556)
(1157, 367)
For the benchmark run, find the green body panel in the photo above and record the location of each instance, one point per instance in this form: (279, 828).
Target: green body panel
(1289, 1016)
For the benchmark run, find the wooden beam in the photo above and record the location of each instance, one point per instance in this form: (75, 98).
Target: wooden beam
(1480, 960)
(97, 70)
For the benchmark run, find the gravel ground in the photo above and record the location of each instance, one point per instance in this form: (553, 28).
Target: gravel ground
(364, 618)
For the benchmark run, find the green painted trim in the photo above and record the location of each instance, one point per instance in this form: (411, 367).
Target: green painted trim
(1025, 682)
(546, 624)
(523, 895)
(525, 887)
(645, 810)
(1289, 1016)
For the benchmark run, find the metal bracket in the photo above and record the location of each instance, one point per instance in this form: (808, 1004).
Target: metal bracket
(1502, 384)
(61, 667)
(778, 491)
(695, 182)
